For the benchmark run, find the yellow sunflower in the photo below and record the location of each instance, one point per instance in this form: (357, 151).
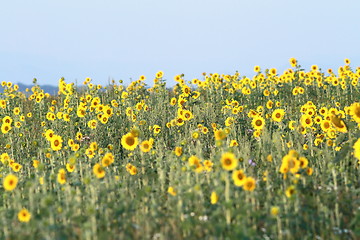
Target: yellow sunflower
(24, 215)
(129, 142)
(146, 146)
(10, 182)
(56, 143)
(214, 198)
(258, 123)
(5, 128)
(98, 171)
(249, 184)
(278, 115)
(355, 111)
(107, 159)
(228, 161)
(61, 177)
(239, 177)
(339, 124)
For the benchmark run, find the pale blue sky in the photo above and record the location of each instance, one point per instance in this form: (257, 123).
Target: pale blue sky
(123, 39)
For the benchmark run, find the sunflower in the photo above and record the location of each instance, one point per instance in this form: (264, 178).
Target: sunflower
(303, 162)
(187, 115)
(233, 143)
(5, 158)
(179, 121)
(107, 159)
(204, 130)
(278, 115)
(314, 68)
(228, 161)
(301, 90)
(5, 128)
(258, 123)
(92, 124)
(146, 146)
(292, 125)
(194, 161)
(24, 215)
(94, 146)
(172, 191)
(159, 74)
(50, 116)
(272, 71)
(290, 191)
(325, 125)
(3, 104)
(16, 111)
(61, 177)
(90, 152)
(71, 142)
(257, 133)
(10, 182)
(70, 167)
(269, 104)
(293, 62)
(274, 211)
(36, 163)
(239, 177)
(66, 117)
(306, 121)
(295, 91)
(75, 147)
(98, 171)
(108, 111)
(249, 184)
(195, 135)
(229, 121)
(214, 198)
(81, 112)
(338, 124)
(129, 142)
(56, 143)
(16, 167)
(220, 134)
(156, 129)
(195, 94)
(7, 120)
(208, 165)
(355, 111)
(178, 151)
(49, 134)
(317, 120)
(173, 101)
(131, 169)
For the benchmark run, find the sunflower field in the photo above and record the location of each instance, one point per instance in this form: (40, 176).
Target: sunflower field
(271, 156)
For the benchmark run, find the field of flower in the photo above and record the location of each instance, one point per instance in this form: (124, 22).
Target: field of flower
(269, 156)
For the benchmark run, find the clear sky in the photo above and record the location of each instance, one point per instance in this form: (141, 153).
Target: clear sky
(123, 39)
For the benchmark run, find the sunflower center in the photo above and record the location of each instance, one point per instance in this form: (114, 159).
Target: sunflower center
(227, 161)
(130, 141)
(357, 112)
